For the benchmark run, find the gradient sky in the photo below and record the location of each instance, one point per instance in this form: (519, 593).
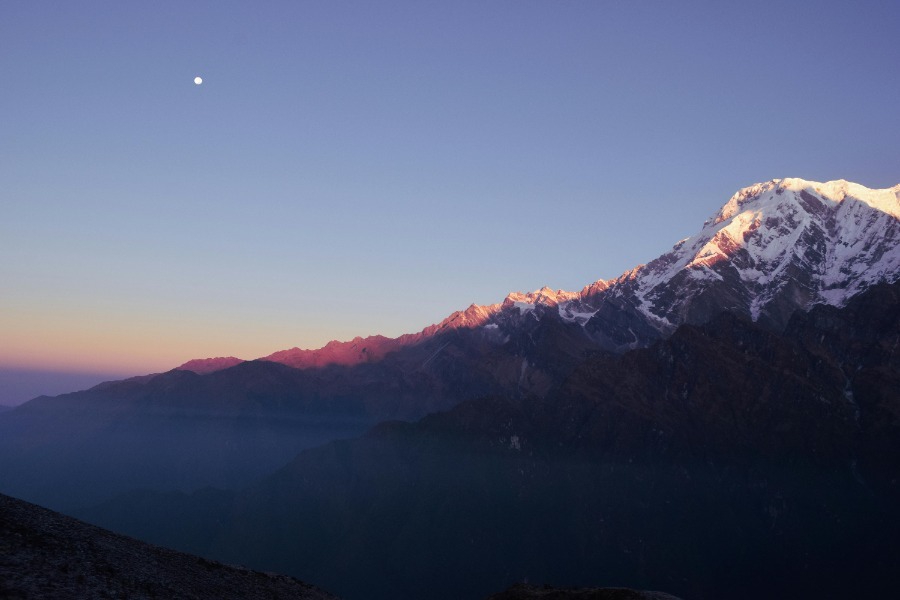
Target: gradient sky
(351, 168)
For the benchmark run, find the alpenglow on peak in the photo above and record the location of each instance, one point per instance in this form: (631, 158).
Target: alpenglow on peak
(773, 248)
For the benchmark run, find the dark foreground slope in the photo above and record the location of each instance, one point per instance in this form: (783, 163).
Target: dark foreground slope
(48, 556)
(726, 461)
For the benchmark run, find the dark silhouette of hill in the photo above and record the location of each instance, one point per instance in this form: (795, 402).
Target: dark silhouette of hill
(50, 556)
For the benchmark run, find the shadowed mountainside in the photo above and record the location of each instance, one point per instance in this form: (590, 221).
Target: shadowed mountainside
(181, 430)
(725, 461)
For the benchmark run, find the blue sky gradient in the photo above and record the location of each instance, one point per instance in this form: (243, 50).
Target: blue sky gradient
(351, 168)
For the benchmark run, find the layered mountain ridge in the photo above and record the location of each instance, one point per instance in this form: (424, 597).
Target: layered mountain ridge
(722, 416)
(773, 248)
(725, 461)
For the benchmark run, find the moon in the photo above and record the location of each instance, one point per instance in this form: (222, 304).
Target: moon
(198, 80)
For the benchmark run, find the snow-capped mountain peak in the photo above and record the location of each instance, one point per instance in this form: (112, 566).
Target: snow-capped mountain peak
(773, 248)
(829, 193)
(542, 297)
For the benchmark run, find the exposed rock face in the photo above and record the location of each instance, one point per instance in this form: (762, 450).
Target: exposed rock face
(774, 248)
(50, 556)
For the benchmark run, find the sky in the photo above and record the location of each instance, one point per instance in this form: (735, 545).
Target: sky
(353, 168)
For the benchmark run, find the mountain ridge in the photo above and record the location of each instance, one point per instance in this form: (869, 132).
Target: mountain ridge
(787, 414)
(526, 345)
(734, 246)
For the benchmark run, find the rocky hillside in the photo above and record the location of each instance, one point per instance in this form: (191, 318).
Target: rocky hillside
(48, 556)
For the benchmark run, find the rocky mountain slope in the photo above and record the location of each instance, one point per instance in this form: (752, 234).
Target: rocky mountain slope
(774, 248)
(50, 556)
(724, 461)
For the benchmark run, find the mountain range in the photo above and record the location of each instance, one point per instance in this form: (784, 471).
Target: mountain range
(724, 461)
(772, 249)
(718, 419)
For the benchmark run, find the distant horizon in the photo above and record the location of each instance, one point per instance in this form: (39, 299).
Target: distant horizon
(348, 169)
(18, 386)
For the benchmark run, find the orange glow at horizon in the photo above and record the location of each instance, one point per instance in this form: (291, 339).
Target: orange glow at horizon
(109, 343)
